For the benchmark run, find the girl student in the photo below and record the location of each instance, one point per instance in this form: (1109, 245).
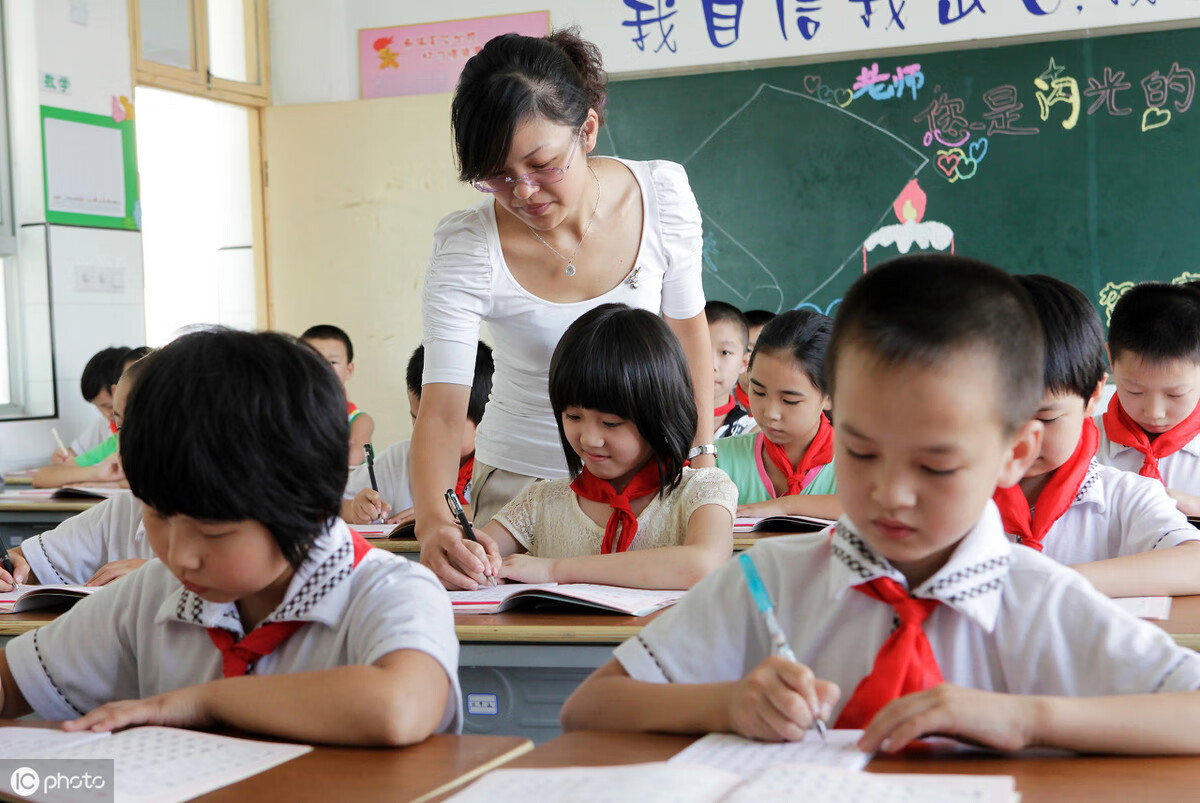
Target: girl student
(634, 513)
(786, 468)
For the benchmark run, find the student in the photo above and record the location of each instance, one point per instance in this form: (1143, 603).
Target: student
(786, 468)
(729, 334)
(361, 504)
(100, 463)
(634, 515)
(261, 612)
(936, 372)
(334, 345)
(1152, 426)
(97, 383)
(756, 319)
(1114, 527)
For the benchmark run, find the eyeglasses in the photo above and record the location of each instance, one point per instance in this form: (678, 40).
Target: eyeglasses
(534, 178)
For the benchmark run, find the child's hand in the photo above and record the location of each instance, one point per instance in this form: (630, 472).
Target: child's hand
(109, 469)
(760, 510)
(776, 702)
(487, 554)
(527, 569)
(183, 708)
(368, 506)
(403, 517)
(113, 570)
(1003, 721)
(1187, 503)
(61, 456)
(19, 574)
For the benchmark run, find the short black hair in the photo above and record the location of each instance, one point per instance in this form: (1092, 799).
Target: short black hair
(226, 425)
(102, 371)
(133, 356)
(628, 363)
(327, 331)
(1156, 322)
(758, 317)
(481, 385)
(802, 333)
(719, 311)
(1072, 336)
(921, 308)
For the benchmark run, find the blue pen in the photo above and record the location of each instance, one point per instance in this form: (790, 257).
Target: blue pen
(779, 644)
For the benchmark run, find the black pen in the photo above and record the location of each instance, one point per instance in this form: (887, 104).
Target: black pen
(7, 564)
(461, 515)
(369, 450)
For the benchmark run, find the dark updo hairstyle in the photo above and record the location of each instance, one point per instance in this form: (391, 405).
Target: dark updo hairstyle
(803, 335)
(628, 363)
(515, 78)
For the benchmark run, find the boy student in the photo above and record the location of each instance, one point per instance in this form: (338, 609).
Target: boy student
(730, 336)
(362, 504)
(262, 611)
(1114, 527)
(334, 345)
(936, 371)
(97, 382)
(1152, 425)
(756, 319)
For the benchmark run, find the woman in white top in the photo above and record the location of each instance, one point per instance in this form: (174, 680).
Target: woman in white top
(558, 234)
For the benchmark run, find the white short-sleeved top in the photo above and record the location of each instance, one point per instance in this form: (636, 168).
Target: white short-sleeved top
(1180, 471)
(76, 549)
(546, 518)
(1116, 513)
(1012, 620)
(92, 436)
(468, 282)
(391, 475)
(147, 635)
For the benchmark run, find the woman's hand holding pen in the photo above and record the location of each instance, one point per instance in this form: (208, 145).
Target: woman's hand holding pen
(778, 701)
(458, 563)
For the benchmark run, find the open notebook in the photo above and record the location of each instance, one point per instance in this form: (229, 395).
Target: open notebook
(632, 601)
(377, 531)
(780, 524)
(30, 598)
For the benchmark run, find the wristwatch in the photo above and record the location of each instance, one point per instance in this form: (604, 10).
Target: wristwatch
(704, 448)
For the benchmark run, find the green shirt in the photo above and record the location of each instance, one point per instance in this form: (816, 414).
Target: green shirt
(741, 458)
(97, 453)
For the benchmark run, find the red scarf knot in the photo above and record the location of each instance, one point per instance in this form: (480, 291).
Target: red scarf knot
(818, 453)
(725, 408)
(464, 477)
(1120, 428)
(622, 525)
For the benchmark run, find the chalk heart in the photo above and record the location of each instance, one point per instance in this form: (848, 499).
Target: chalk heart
(842, 97)
(812, 83)
(966, 168)
(1154, 117)
(825, 94)
(947, 162)
(978, 149)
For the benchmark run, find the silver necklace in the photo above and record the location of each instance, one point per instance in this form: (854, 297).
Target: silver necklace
(570, 269)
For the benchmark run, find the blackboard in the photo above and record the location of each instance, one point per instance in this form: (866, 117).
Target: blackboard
(796, 170)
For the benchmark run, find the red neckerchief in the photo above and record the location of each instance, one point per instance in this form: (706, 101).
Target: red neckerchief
(239, 656)
(464, 477)
(644, 483)
(1122, 429)
(818, 453)
(1056, 497)
(905, 663)
(741, 396)
(724, 409)
(351, 407)
(112, 427)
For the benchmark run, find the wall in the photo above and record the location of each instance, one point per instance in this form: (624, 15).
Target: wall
(93, 52)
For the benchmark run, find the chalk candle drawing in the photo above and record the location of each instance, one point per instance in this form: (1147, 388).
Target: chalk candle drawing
(640, 23)
(909, 207)
(1054, 88)
(722, 19)
(1158, 88)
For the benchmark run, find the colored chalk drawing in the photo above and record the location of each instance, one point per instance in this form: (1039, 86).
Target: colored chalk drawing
(1111, 293)
(912, 229)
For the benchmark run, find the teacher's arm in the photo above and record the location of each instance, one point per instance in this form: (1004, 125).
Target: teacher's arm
(693, 335)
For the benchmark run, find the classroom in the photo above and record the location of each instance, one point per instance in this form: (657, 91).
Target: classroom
(361, 176)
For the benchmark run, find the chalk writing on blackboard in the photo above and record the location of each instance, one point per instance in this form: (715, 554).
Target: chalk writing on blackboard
(1111, 293)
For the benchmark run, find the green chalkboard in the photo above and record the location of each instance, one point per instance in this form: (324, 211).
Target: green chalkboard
(798, 173)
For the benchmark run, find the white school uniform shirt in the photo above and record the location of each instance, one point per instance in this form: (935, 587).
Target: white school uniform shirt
(76, 549)
(1180, 471)
(147, 635)
(1012, 620)
(391, 475)
(92, 436)
(1116, 513)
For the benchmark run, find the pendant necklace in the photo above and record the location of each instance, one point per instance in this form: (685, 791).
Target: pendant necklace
(570, 269)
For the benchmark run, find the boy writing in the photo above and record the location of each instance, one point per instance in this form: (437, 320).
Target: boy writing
(332, 343)
(260, 597)
(1152, 425)
(96, 384)
(935, 375)
(1116, 528)
(730, 338)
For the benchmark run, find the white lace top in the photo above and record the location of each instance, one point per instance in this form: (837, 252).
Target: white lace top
(546, 518)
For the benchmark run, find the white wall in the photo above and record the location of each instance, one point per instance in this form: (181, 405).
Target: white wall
(41, 37)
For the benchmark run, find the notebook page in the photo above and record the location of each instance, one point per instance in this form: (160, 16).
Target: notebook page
(643, 783)
(631, 599)
(745, 757)
(490, 595)
(39, 742)
(9, 598)
(784, 782)
(373, 530)
(1146, 607)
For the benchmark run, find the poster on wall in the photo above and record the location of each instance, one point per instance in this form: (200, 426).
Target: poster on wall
(426, 59)
(89, 164)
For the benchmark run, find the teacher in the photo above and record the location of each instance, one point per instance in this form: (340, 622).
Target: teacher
(557, 234)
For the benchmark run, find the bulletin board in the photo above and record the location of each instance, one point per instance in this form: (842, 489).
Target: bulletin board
(89, 168)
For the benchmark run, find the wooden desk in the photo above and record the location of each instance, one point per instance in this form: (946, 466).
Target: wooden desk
(22, 478)
(1184, 623)
(408, 547)
(1040, 778)
(24, 518)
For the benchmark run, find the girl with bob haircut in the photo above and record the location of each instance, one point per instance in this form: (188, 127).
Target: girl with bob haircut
(634, 513)
(557, 232)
